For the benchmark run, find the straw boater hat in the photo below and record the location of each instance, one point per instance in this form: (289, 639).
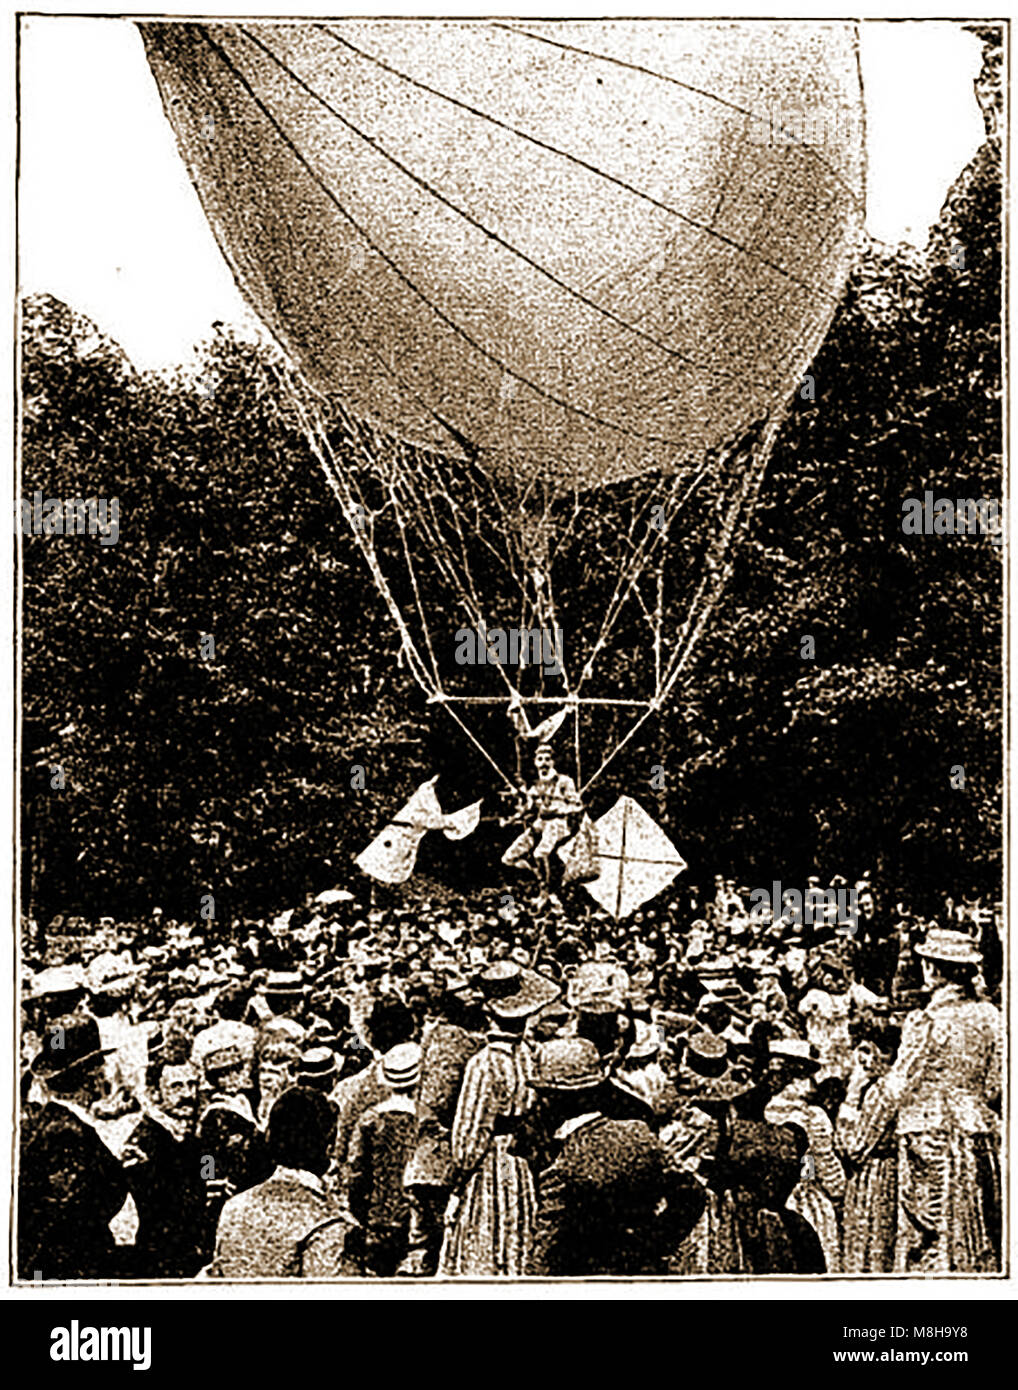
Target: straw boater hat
(401, 1066)
(317, 1065)
(286, 983)
(956, 947)
(513, 991)
(707, 1073)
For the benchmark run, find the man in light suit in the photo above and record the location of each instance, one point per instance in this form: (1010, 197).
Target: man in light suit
(287, 1227)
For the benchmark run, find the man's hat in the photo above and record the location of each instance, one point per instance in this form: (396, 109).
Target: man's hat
(58, 979)
(75, 1043)
(401, 1066)
(707, 1073)
(568, 1064)
(513, 991)
(317, 1064)
(111, 974)
(599, 987)
(797, 1050)
(284, 982)
(225, 1044)
(943, 943)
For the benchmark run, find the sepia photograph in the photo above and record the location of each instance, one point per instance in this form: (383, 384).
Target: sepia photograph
(509, 642)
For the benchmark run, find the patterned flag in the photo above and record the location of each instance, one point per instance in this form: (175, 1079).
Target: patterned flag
(392, 854)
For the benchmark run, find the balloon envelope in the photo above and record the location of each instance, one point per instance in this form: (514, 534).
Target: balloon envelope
(576, 251)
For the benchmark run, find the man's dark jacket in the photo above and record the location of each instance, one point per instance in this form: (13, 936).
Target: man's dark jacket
(70, 1187)
(165, 1178)
(611, 1204)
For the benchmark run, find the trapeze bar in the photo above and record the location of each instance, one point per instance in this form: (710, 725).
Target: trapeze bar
(538, 700)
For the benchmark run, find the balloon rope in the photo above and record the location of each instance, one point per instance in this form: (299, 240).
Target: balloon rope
(711, 585)
(401, 524)
(340, 486)
(651, 538)
(318, 440)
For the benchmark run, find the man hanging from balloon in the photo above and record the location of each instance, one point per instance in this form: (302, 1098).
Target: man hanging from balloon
(555, 816)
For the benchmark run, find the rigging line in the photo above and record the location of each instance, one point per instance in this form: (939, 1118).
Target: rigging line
(340, 484)
(658, 624)
(453, 698)
(351, 483)
(415, 473)
(627, 578)
(476, 531)
(477, 744)
(337, 481)
(435, 536)
(404, 279)
(573, 159)
(440, 546)
(576, 742)
(690, 632)
(474, 222)
(559, 646)
(401, 525)
(468, 599)
(676, 82)
(561, 537)
(467, 571)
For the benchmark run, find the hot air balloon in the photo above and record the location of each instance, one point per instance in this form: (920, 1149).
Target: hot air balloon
(546, 288)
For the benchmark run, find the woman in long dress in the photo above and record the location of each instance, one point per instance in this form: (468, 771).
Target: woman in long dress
(865, 1137)
(943, 1085)
(489, 1221)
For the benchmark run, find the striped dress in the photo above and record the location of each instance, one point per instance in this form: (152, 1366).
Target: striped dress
(865, 1135)
(491, 1230)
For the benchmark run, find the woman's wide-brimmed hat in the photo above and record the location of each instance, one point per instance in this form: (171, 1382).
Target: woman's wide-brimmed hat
(943, 943)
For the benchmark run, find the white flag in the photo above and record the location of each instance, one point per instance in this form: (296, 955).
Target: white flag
(392, 854)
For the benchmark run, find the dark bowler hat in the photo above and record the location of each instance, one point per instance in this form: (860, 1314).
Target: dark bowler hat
(73, 1043)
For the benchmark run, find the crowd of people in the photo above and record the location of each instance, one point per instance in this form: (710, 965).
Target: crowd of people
(438, 1090)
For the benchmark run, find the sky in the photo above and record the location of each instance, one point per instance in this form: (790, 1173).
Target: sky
(110, 224)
